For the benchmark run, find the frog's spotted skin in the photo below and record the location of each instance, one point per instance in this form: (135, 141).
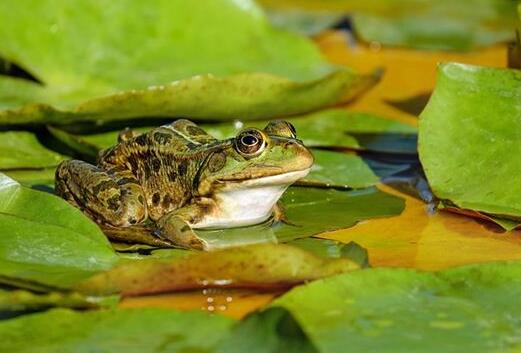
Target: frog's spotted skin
(179, 177)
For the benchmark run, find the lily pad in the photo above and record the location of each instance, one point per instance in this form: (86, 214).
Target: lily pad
(22, 300)
(388, 310)
(21, 149)
(46, 240)
(105, 76)
(33, 177)
(442, 24)
(311, 211)
(469, 138)
(114, 331)
(340, 170)
(256, 266)
(328, 128)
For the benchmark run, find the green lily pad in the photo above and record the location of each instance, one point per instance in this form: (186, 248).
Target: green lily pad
(21, 149)
(114, 331)
(160, 59)
(442, 24)
(256, 266)
(312, 211)
(327, 128)
(46, 240)
(33, 177)
(469, 141)
(22, 300)
(467, 309)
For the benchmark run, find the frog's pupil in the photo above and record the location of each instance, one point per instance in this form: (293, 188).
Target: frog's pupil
(249, 140)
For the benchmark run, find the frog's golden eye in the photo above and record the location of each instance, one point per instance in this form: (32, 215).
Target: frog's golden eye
(281, 128)
(250, 142)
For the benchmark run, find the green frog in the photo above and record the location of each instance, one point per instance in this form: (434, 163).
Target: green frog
(177, 178)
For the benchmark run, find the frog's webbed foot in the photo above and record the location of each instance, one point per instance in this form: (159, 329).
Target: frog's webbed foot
(136, 234)
(280, 216)
(175, 228)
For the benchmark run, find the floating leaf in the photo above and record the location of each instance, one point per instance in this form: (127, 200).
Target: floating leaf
(442, 24)
(332, 127)
(46, 240)
(21, 149)
(334, 249)
(256, 266)
(22, 300)
(101, 78)
(333, 169)
(465, 309)
(312, 210)
(33, 177)
(469, 138)
(114, 331)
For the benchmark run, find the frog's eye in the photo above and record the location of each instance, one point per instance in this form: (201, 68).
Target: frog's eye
(281, 128)
(250, 142)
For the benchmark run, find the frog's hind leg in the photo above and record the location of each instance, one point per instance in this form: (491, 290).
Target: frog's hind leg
(113, 198)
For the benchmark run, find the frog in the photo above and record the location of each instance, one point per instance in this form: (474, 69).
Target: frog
(177, 178)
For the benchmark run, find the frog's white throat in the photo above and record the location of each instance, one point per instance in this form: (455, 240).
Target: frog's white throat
(248, 202)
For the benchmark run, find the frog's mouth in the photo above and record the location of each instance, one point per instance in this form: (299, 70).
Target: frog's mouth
(271, 180)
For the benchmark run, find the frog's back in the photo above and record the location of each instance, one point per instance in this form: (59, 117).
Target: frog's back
(165, 161)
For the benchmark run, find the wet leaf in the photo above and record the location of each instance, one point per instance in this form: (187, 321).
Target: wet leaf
(341, 170)
(388, 310)
(311, 211)
(334, 249)
(443, 24)
(21, 149)
(46, 240)
(35, 178)
(469, 138)
(114, 331)
(255, 266)
(327, 128)
(273, 330)
(102, 77)
(22, 300)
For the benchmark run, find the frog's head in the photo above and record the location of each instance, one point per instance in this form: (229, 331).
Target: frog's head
(254, 157)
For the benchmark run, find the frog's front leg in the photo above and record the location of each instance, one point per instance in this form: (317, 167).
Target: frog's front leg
(175, 226)
(114, 198)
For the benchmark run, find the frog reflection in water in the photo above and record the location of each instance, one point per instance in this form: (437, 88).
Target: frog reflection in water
(177, 178)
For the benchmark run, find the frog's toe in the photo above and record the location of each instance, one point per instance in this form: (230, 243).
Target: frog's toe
(183, 237)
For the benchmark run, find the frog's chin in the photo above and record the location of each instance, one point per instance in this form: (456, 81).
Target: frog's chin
(248, 202)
